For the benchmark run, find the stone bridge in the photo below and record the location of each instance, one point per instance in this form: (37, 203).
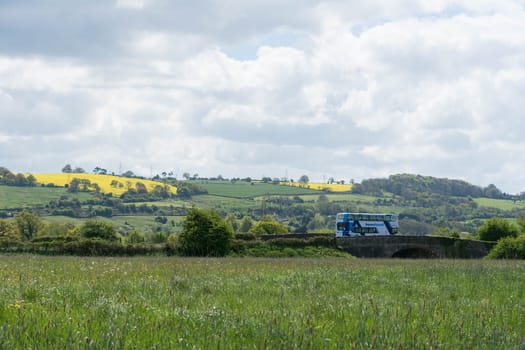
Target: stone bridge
(397, 246)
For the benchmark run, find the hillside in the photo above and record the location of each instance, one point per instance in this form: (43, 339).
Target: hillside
(116, 185)
(424, 204)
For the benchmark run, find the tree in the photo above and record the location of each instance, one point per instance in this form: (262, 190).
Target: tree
(232, 220)
(268, 226)
(8, 230)
(98, 229)
(304, 179)
(158, 237)
(246, 224)
(317, 222)
(54, 229)
(141, 188)
(205, 233)
(521, 224)
(74, 185)
(135, 237)
(28, 224)
(67, 169)
(128, 173)
(31, 180)
(99, 170)
(509, 248)
(496, 228)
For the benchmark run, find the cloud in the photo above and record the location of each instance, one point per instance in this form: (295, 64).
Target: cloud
(331, 88)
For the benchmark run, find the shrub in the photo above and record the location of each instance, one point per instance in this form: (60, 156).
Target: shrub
(8, 230)
(28, 224)
(98, 229)
(54, 229)
(135, 237)
(268, 226)
(496, 228)
(509, 248)
(245, 236)
(205, 233)
(158, 237)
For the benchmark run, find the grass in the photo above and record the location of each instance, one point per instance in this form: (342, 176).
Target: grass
(340, 197)
(242, 303)
(27, 197)
(503, 204)
(242, 189)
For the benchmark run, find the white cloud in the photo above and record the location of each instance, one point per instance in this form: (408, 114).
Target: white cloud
(332, 88)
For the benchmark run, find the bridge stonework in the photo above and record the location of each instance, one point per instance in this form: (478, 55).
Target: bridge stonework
(397, 246)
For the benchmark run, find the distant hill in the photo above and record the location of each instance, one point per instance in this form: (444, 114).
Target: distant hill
(408, 185)
(424, 203)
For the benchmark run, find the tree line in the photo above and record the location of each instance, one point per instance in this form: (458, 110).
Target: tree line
(412, 186)
(11, 179)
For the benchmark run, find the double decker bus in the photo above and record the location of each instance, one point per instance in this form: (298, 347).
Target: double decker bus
(365, 224)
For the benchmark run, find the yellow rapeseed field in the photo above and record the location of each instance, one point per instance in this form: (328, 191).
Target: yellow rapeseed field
(321, 186)
(107, 183)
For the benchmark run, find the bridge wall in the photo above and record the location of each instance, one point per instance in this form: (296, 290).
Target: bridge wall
(414, 246)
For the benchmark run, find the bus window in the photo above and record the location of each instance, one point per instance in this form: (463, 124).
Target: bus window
(342, 226)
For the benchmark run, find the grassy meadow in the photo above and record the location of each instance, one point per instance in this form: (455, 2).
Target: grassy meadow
(503, 204)
(28, 197)
(245, 303)
(242, 189)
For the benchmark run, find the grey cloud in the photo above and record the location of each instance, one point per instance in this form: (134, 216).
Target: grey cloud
(29, 112)
(369, 88)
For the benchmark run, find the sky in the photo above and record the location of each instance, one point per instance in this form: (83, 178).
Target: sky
(344, 89)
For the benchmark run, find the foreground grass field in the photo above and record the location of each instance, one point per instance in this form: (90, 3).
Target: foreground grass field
(168, 303)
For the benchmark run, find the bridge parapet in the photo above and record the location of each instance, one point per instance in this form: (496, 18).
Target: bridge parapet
(414, 247)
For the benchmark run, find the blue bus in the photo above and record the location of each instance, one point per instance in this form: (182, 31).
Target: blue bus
(365, 224)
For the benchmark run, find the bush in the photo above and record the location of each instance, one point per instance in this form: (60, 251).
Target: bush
(496, 228)
(294, 248)
(245, 236)
(28, 224)
(98, 229)
(8, 230)
(509, 248)
(53, 229)
(268, 228)
(205, 233)
(158, 237)
(12, 245)
(135, 237)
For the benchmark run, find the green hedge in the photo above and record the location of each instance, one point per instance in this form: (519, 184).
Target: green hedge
(81, 246)
(286, 247)
(245, 246)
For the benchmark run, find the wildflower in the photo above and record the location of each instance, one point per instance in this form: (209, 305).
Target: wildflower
(17, 305)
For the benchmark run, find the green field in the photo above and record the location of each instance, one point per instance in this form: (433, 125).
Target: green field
(242, 189)
(503, 204)
(28, 197)
(242, 303)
